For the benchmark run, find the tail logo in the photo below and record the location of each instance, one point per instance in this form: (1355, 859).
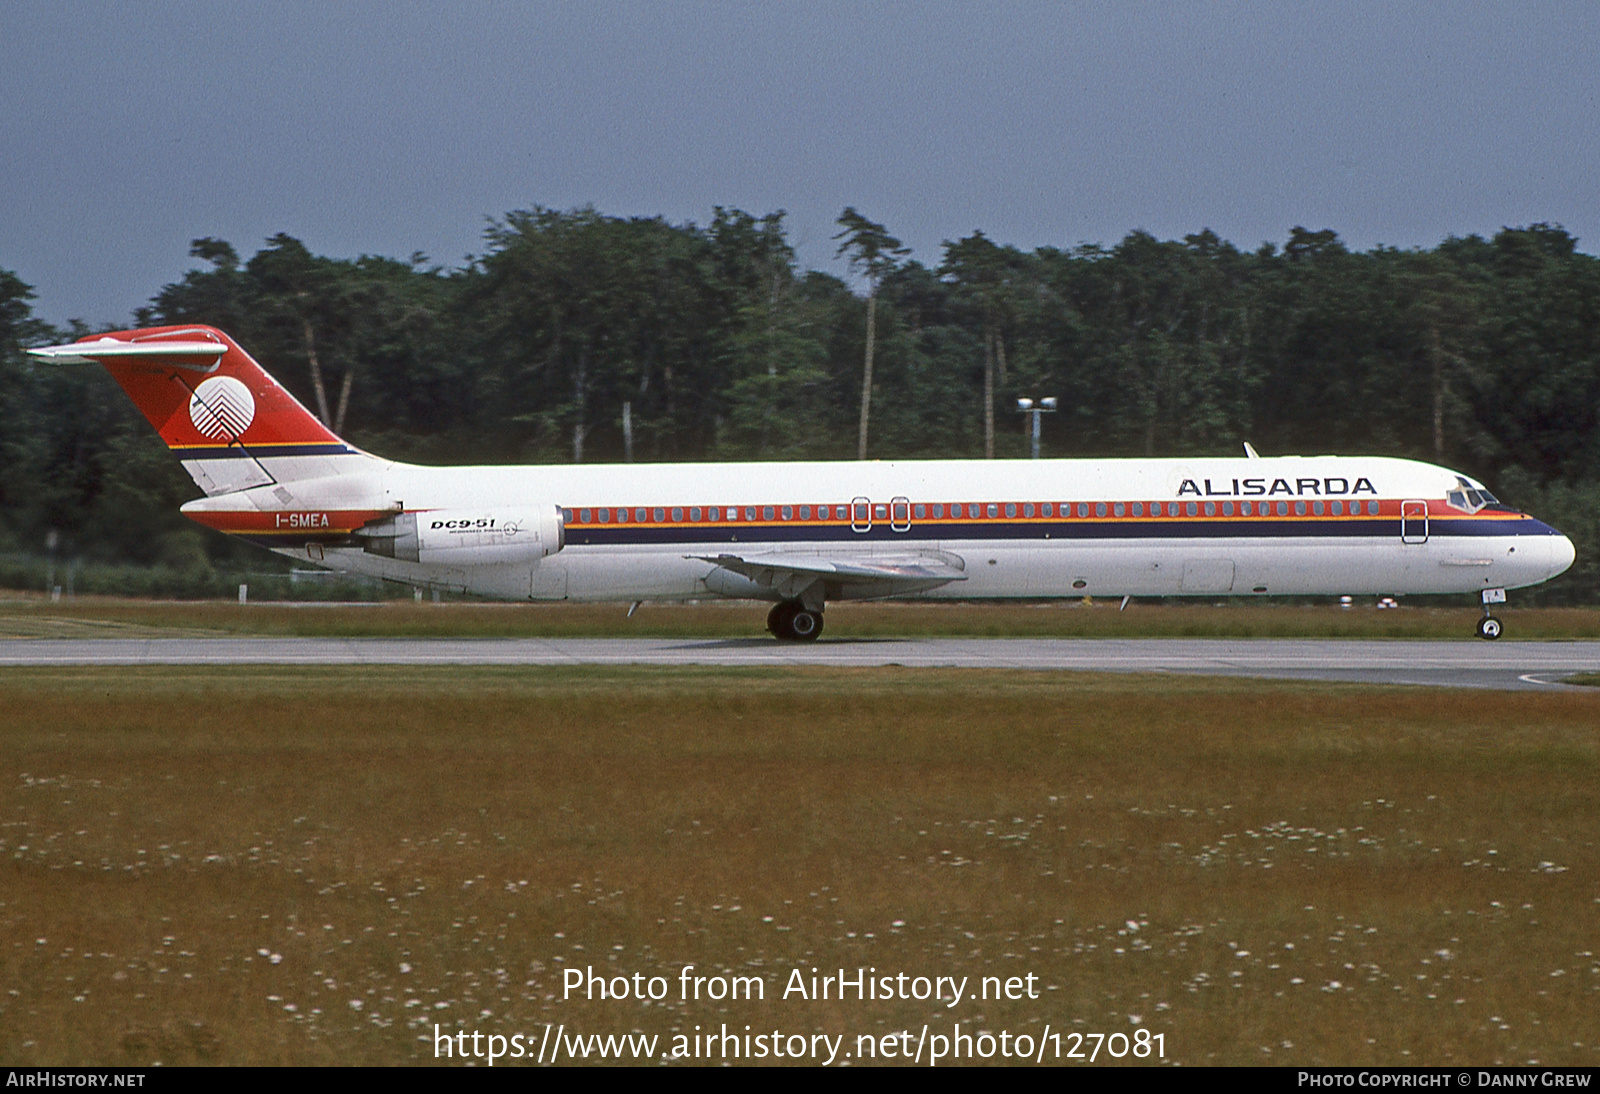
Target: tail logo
(222, 408)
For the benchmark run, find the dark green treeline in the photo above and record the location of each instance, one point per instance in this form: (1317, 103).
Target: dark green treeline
(1483, 355)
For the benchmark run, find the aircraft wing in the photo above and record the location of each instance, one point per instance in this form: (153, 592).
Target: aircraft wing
(793, 576)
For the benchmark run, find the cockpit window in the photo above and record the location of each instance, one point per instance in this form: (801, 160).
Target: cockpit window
(1470, 499)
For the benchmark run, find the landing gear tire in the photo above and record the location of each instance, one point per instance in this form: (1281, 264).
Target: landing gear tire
(1489, 628)
(778, 618)
(805, 625)
(792, 622)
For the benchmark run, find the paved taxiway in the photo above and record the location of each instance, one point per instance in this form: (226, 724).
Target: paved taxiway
(1514, 665)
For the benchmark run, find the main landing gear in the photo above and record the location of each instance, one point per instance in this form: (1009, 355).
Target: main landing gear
(791, 621)
(1489, 627)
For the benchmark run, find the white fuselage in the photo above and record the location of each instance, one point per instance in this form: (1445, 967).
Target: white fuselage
(1150, 527)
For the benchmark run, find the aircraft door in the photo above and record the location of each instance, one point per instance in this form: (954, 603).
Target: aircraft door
(1413, 522)
(860, 515)
(900, 514)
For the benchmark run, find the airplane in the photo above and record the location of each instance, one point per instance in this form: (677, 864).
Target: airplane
(800, 535)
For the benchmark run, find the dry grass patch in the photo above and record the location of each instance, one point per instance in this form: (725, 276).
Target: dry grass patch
(219, 865)
(36, 617)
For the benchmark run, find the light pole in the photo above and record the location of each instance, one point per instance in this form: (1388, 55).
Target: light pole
(1046, 405)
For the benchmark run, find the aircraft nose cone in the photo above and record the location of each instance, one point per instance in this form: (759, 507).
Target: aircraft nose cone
(1562, 554)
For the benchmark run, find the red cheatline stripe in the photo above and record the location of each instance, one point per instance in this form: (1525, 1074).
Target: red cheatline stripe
(966, 512)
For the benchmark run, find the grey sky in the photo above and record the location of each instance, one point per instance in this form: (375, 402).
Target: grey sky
(127, 130)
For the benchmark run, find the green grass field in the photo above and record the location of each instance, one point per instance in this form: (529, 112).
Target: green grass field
(35, 616)
(275, 866)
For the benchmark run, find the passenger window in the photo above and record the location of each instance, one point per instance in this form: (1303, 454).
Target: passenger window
(1138, 508)
(1011, 508)
(788, 513)
(1227, 508)
(1299, 508)
(622, 516)
(1099, 508)
(880, 512)
(1191, 508)
(805, 512)
(1211, 508)
(694, 513)
(1118, 509)
(938, 512)
(1172, 508)
(583, 516)
(1083, 509)
(766, 512)
(677, 515)
(1372, 508)
(919, 511)
(713, 513)
(994, 510)
(605, 516)
(1047, 510)
(1316, 508)
(639, 514)
(1283, 508)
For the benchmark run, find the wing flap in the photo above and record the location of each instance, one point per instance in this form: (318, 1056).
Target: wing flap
(872, 575)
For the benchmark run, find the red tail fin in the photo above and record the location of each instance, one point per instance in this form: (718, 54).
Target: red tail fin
(231, 423)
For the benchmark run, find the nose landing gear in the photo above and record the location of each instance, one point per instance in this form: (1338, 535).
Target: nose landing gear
(1489, 627)
(791, 621)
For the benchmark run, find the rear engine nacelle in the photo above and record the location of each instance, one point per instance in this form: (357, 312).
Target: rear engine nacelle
(468, 537)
